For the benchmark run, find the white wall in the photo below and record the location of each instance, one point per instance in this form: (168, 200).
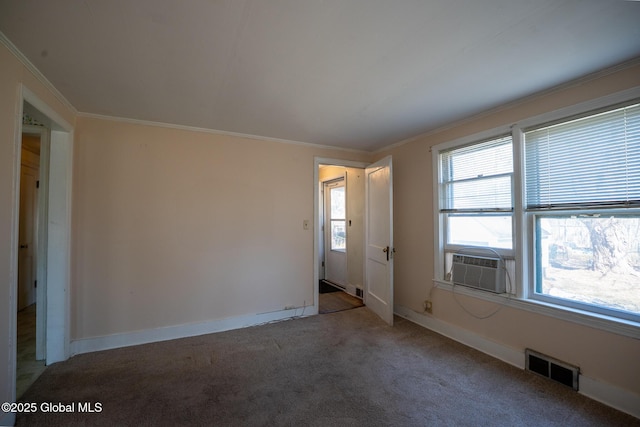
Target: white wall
(355, 218)
(178, 227)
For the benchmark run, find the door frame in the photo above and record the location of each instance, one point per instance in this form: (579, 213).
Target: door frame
(55, 263)
(317, 231)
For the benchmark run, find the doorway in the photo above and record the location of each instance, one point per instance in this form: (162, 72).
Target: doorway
(32, 229)
(342, 193)
(52, 237)
(363, 230)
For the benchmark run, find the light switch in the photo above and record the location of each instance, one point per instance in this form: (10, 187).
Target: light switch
(305, 224)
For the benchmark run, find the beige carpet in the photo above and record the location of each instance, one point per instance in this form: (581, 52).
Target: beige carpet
(340, 369)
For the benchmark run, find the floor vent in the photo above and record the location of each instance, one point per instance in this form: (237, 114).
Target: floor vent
(551, 368)
(359, 293)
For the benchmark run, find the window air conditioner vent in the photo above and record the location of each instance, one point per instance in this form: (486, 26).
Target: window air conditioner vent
(479, 272)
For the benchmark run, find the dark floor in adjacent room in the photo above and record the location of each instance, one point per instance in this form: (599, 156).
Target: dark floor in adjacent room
(332, 299)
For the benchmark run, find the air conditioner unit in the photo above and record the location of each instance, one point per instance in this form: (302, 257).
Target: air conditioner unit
(479, 272)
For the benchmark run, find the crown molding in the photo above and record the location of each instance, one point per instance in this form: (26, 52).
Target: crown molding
(214, 132)
(38, 75)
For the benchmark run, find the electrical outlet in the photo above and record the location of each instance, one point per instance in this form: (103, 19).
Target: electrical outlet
(428, 306)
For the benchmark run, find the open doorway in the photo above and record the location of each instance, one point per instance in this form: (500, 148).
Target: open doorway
(32, 232)
(341, 244)
(41, 238)
(368, 231)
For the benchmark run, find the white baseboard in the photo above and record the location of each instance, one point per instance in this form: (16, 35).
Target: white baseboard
(107, 342)
(499, 351)
(611, 395)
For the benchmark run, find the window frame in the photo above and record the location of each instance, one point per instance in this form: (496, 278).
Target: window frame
(524, 244)
(443, 197)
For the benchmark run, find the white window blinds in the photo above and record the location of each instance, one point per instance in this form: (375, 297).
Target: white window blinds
(591, 162)
(478, 178)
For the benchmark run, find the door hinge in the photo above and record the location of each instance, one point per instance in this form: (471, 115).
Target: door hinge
(38, 184)
(323, 263)
(35, 283)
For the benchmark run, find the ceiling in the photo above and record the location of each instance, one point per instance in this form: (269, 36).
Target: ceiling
(359, 74)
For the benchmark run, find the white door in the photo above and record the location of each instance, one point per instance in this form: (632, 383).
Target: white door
(335, 232)
(379, 239)
(27, 232)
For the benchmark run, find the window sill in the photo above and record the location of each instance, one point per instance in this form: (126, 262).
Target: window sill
(614, 325)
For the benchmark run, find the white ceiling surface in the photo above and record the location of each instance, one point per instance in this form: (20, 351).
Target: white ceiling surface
(360, 74)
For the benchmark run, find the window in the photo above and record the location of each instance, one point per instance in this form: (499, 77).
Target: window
(589, 259)
(337, 218)
(582, 180)
(476, 186)
(558, 198)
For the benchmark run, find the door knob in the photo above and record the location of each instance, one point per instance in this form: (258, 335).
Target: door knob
(386, 250)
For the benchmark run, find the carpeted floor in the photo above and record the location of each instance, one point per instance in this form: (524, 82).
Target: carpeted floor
(341, 369)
